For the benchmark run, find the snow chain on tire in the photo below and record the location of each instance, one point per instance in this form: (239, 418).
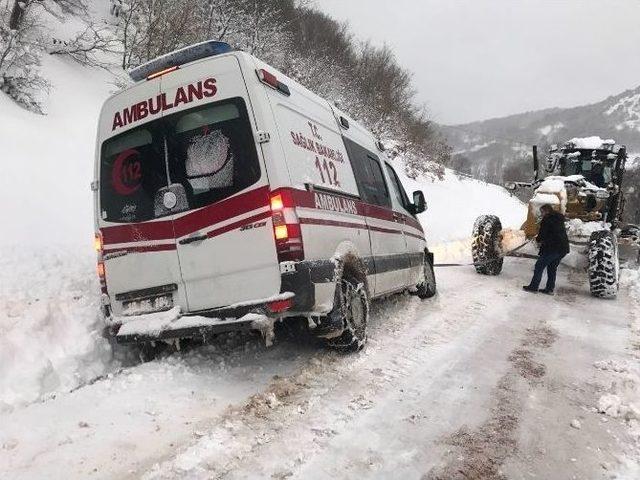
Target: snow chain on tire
(485, 245)
(428, 288)
(604, 267)
(353, 309)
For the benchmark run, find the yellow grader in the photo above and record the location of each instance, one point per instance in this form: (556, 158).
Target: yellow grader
(584, 182)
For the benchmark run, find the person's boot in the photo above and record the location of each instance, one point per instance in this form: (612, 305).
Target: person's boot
(546, 291)
(530, 289)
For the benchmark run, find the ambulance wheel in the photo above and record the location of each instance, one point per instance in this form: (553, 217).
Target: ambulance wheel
(351, 309)
(427, 288)
(485, 245)
(604, 268)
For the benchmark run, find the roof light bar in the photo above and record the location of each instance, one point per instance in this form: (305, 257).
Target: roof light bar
(179, 57)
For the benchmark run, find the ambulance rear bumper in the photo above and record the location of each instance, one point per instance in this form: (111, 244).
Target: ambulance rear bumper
(204, 331)
(172, 324)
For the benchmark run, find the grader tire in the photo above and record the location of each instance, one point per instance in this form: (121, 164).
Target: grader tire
(485, 246)
(604, 267)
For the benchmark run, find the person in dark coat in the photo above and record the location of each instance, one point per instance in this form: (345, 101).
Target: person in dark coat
(554, 246)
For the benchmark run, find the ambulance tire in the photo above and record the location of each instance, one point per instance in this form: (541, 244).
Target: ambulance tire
(428, 288)
(604, 267)
(485, 246)
(351, 308)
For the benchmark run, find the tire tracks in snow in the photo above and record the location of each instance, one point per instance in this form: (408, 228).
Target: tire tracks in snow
(482, 451)
(327, 395)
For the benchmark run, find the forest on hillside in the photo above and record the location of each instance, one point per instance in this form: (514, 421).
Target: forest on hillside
(363, 79)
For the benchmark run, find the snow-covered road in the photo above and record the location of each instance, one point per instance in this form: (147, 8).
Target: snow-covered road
(484, 381)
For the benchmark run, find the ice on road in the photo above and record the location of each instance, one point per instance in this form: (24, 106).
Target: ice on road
(484, 381)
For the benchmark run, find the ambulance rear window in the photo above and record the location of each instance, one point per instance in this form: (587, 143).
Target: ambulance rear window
(205, 154)
(132, 170)
(212, 152)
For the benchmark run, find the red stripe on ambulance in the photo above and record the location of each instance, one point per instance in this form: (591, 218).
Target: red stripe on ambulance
(189, 223)
(246, 203)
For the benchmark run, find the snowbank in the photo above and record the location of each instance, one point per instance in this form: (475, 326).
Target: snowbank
(49, 328)
(453, 206)
(578, 228)
(622, 401)
(50, 332)
(630, 278)
(456, 202)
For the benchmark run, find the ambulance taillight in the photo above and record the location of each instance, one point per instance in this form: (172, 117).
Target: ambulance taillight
(280, 306)
(286, 228)
(102, 276)
(97, 243)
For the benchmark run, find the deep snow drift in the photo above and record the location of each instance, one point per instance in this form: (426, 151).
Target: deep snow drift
(50, 332)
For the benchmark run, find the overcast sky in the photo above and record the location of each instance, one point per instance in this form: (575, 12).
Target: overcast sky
(477, 59)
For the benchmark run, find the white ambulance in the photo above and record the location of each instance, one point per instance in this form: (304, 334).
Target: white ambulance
(226, 192)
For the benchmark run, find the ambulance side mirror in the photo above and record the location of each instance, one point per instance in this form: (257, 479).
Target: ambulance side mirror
(419, 203)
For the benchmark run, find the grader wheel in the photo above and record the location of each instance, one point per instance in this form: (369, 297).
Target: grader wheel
(485, 246)
(604, 266)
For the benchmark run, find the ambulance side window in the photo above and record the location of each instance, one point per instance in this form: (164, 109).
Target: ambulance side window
(398, 189)
(369, 177)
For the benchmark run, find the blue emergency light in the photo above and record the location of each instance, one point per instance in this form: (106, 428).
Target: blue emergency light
(173, 60)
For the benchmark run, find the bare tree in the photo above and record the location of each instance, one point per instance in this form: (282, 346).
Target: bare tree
(149, 28)
(87, 46)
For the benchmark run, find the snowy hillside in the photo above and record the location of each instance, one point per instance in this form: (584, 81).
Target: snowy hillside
(617, 116)
(485, 148)
(626, 111)
(49, 330)
(49, 159)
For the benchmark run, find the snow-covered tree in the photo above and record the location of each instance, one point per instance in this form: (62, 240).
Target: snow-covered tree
(20, 52)
(364, 80)
(23, 41)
